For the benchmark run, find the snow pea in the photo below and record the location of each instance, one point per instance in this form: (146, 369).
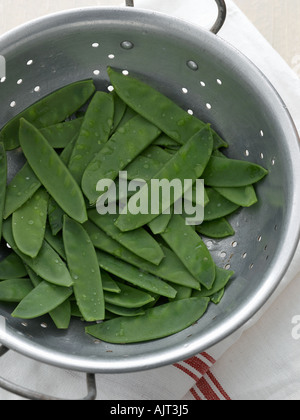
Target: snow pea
(60, 135)
(51, 171)
(138, 241)
(48, 264)
(14, 290)
(61, 316)
(50, 110)
(222, 278)
(158, 322)
(188, 163)
(182, 293)
(129, 297)
(124, 146)
(94, 132)
(56, 242)
(119, 111)
(216, 229)
(12, 267)
(218, 206)
(158, 109)
(84, 268)
(170, 269)
(55, 212)
(109, 284)
(191, 250)
(118, 310)
(160, 224)
(3, 181)
(222, 172)
(29, 224)
(22, 187)
(242, 196)
(44, 298)
(217, 297)
(134, 275)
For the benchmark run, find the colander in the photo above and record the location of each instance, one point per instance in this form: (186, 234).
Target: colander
(206, 76)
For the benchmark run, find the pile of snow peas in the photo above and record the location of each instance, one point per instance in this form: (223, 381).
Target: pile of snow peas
(129, 277)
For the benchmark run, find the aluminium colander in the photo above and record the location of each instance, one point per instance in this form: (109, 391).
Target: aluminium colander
(203, 74)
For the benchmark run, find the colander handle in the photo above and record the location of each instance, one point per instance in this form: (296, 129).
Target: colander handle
(222, 13)
(33, 395)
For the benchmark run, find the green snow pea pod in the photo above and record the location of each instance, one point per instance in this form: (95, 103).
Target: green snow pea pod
(118, 310)
(158, 109)
(52, 172)
(165, 141)
(55, 212)
(60, 135)
(170, 269)
(50, 110)
(43, 299)
(222, 172)
(139, 241)
(242, 196)
(134, 275)
(3, 181)
(191, 250)
(188, 163)
(84, 268)
(94, 132)
(48, 264)
(217, 297)
(182, 293)
(216, 229)
(222, 278)
(22, 187)
(218, 206)
(129, 297)
(160, 224)
(158, 322)
(14, 290)
(119, 111)
(61, 316)
(56, 242)
(108, 284)
(12, 267)
(29, 224)
(124, 146)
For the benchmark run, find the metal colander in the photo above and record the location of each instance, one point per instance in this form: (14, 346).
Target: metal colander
(205, 75)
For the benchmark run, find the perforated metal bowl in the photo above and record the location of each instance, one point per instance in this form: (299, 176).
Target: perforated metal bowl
(221, 87)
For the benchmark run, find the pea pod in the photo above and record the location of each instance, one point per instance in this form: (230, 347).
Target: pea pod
(84, 268)
(158, 322)
(222, 278)
(216, 229)
(94, 132)
(22, 187)
(242, 196)
(160, 224)
(12, 267)
(191, 250)
(218, 206)
(3, 180)
(61, 316)
(51, 171)
(41, 300)
(50, 110)
(56, 242)
(119, 111)
(60, 135)
(188, 163)
(109, 284)
(222, 172)
(139, 241)
(125, 145)
(170, 269)
(158, 109)
(118, 310)
(29, 224)
(14, 290)
(48, 264)
(129, 297)
(134, 276)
